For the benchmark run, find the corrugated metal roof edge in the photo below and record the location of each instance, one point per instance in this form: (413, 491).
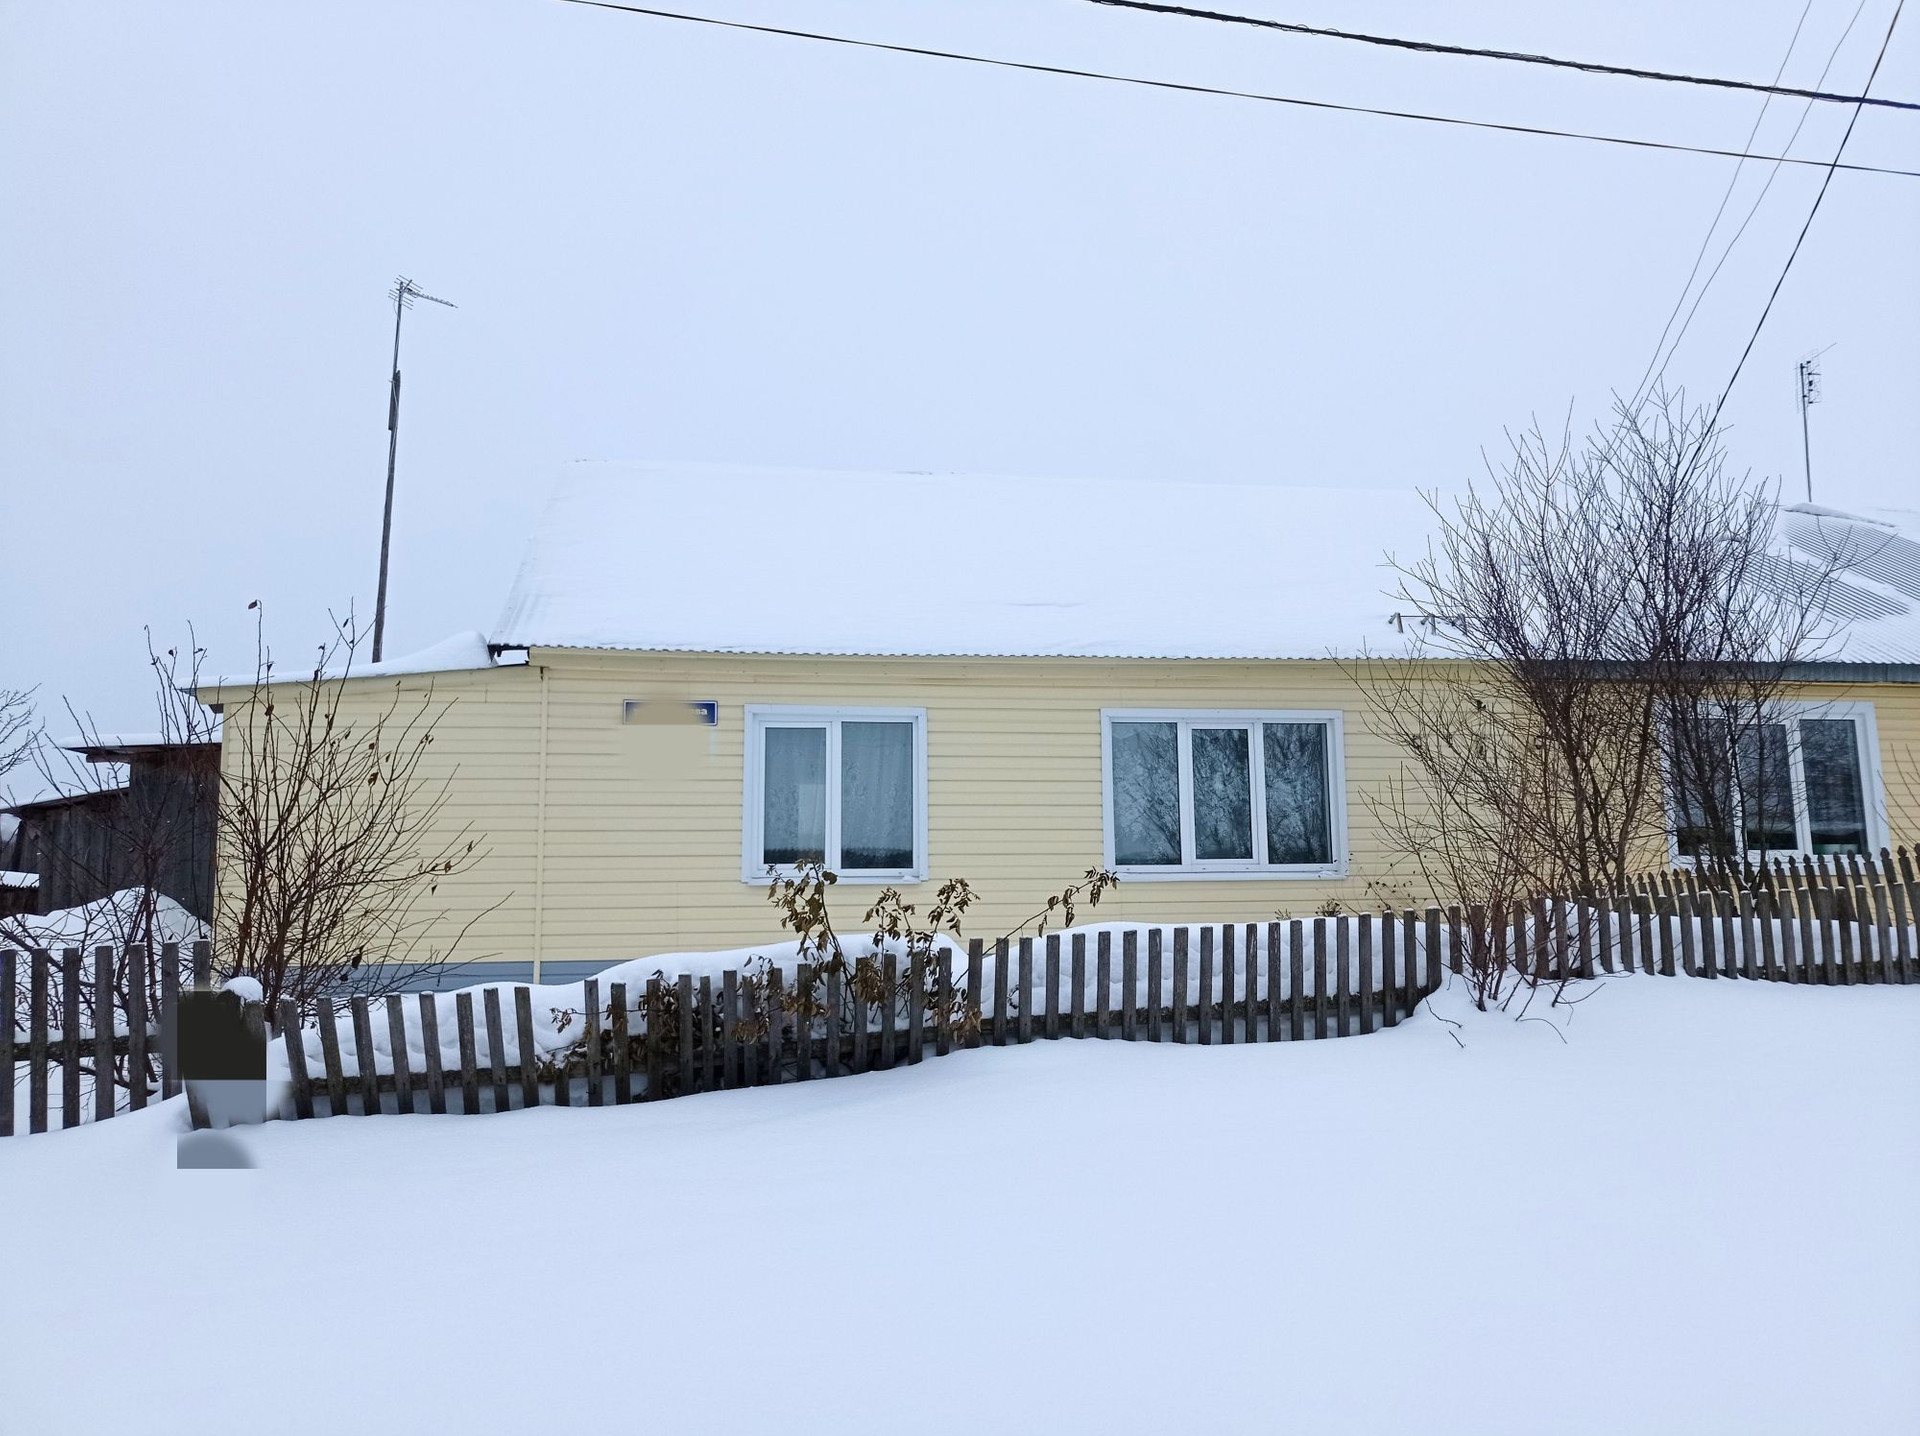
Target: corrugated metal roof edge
(1819, 672)
(518, 647)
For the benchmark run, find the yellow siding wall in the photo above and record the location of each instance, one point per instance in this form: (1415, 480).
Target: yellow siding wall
(635, 848)
(486, 748)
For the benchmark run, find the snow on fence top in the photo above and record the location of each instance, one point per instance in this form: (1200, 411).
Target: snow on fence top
(725, 559)
(710, 558)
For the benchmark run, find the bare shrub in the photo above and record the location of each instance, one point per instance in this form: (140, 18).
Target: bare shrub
(333, 835)
(1603, 621)
(895, 926)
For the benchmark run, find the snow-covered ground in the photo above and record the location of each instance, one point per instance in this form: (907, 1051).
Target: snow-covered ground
(1696, 1213)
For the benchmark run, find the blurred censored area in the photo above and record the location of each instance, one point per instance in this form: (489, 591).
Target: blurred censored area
(222, 1045)
(669, 735)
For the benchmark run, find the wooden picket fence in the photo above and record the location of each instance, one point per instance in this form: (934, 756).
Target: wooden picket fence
(1331, 976)
(121, 984)
(682, 1035)
(1826, 922)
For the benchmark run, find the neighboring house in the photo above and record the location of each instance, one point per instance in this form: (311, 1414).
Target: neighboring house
(154, 830)
(1005, 680)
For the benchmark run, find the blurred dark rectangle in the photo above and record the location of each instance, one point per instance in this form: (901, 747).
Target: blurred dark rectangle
(220, 1041)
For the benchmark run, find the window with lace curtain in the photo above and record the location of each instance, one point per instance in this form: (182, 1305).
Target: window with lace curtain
(840, 786)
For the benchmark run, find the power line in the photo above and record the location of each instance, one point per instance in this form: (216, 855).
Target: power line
(1430, 47)
(1732, 183)
(1272, 99)
(1794, 253)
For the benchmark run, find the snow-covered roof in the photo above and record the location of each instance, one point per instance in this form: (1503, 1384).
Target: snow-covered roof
(451, 654)
(455, 653)
(711, 558)
(728, 559)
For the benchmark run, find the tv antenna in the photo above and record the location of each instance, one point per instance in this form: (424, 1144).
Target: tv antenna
(1809, 372)
(403, 293)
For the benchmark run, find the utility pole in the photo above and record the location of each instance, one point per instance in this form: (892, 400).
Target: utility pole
(1809, 371)
(403, 293)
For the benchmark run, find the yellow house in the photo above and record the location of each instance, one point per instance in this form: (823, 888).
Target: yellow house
(704, 671)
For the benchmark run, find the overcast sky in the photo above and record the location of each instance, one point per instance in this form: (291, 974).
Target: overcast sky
(672, 240)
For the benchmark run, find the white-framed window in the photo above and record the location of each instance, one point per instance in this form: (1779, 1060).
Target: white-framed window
(842, 786)
(1806, 782)
(1223, 793)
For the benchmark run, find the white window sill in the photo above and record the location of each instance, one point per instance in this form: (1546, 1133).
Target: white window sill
(1230, 875)
(764, 880)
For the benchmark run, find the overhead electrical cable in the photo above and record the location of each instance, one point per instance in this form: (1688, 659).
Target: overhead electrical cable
(1656, 364)
(1430, 47)
(1273, 99)
(1801, 239)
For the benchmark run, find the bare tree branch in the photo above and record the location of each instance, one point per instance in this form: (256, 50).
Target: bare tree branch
(1603, 622)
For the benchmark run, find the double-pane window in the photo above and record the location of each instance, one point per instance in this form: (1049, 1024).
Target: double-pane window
(843, 788)
(1223, 792)
(1799, 784)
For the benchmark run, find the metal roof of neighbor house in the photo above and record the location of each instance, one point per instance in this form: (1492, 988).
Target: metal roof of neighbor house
(712, 558)
(1876, 558)
(121, 747)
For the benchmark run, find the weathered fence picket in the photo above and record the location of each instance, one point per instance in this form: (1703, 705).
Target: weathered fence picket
(1180, 984)
(1343, 995)
(1023, 1029)
(1103, 985)
(103, 1024)
(1077, 987)
(1319, 977)
(590, 1020)
(430, 1053)
(469, 1072)
(523, 1039)
(1000, 976)
(1053, 986)
(1206, 985)
(363, 1052)
(776, 1001)
(1389, 975)
(1226, 982)
(732, 1074)
(297, 1076)
(397, 1047)
(330, 1058)
(621, 1025)
(137, 1016)
(916, 1008)
(890, 980)
(943, 1003)
(37, 1041)
(686, 1075)
(1296, 980)
(9, 987)
(976, 950)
